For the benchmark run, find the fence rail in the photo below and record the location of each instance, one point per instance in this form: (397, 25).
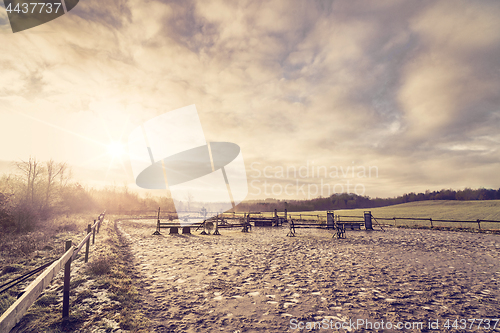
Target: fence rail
(16, 311)
(430, 219)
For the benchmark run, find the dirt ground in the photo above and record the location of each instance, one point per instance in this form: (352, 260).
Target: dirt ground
(263, 281)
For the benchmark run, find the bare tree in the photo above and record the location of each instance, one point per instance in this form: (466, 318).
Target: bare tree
(65, 176)
(31, 170)
(27, 197)
(53, 170)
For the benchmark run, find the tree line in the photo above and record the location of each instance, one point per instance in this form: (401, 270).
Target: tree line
(351, 201)
(38, 191)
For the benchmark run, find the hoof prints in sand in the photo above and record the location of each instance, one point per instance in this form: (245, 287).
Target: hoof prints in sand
(259, 281)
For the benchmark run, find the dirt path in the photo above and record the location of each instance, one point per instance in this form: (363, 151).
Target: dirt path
(266, 282)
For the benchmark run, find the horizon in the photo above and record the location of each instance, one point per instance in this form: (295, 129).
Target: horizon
(144, 193)
(377, 99)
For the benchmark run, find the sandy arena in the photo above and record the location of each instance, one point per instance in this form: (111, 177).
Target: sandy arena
(263, 281)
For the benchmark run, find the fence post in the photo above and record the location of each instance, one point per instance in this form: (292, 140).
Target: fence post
(330, 220)
(88, 244)
(430, 219)
(99, 224)
(216, 232)
(394, 221)
(479, 224)
(93, 233)
(67, 279)
(368, 220)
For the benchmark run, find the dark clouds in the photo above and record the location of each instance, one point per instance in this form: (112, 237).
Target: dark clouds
(412, 87)
(113, 14)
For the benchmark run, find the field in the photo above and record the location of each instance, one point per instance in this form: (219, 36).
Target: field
(437, 210)
(264, 281)
(102, 295)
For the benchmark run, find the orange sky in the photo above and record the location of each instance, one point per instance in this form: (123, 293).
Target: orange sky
(410, 89)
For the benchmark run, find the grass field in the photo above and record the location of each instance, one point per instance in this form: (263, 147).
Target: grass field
(102, 294)
(437, 210)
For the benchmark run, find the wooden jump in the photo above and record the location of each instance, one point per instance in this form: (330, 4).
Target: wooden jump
(308, 224)
(174, 228)
(339, 228)
(245, 225)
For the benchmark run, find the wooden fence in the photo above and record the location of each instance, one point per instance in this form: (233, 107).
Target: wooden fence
(431, 220)
(308, 217)
(17, 310)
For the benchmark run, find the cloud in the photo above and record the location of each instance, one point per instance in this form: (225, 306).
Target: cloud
(448, 86)
(411, 87)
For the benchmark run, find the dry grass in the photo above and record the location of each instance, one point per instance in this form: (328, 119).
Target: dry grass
(6, 299)
(47, 235)
(109, 270)
(21, 253)
(99, 266)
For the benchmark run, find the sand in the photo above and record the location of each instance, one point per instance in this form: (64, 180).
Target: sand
(263, 281)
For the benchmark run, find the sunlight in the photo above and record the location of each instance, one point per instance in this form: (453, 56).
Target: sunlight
(116, 149)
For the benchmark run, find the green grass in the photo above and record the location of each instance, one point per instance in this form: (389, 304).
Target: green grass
(435, 209)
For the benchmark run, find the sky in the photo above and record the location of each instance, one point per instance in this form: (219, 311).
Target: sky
(375, 98)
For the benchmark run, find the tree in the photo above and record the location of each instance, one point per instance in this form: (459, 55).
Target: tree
(5, 217)
(53, 170)
(77, 199)
(31, 170)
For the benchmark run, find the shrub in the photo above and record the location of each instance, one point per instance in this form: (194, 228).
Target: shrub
(24, 216)
(100, 266)
(46, 300)
(6, 300)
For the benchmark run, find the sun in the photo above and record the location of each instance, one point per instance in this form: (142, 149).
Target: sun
(116, 149)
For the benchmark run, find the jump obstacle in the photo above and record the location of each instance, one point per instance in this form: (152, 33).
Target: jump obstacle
(174, 227)
(220, 221)
(334, 222)
(331, 224)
